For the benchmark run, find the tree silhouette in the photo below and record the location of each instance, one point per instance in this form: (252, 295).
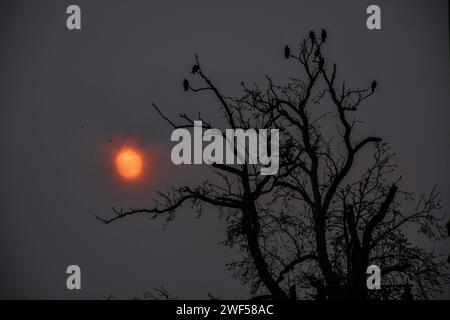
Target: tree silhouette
(334, 207)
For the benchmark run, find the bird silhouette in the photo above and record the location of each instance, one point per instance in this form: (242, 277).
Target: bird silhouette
(195, 68)
(186, 85)
(312, 36)
(373, 85)
(324, 35)
(287, 52)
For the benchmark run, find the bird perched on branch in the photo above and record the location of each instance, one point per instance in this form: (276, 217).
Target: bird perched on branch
(186, 85)
(287, 52)
(195, 68)
(373, 85)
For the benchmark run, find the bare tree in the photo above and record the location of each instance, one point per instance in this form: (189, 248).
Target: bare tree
(334, 207)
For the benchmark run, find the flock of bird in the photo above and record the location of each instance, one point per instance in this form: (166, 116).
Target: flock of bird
(287, 55)
(323, 37)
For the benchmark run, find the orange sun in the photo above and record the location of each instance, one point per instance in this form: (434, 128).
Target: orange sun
(129, 163)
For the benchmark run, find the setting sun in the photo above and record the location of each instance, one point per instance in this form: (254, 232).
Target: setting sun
(129, 163)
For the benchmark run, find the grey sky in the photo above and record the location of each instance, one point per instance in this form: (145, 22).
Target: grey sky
(55, 175)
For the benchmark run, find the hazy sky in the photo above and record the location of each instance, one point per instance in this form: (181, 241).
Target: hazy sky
(56, 175)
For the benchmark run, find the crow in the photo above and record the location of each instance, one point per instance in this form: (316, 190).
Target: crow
(186, 85)
(287, 52)
(324, 35)
(373, 85)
